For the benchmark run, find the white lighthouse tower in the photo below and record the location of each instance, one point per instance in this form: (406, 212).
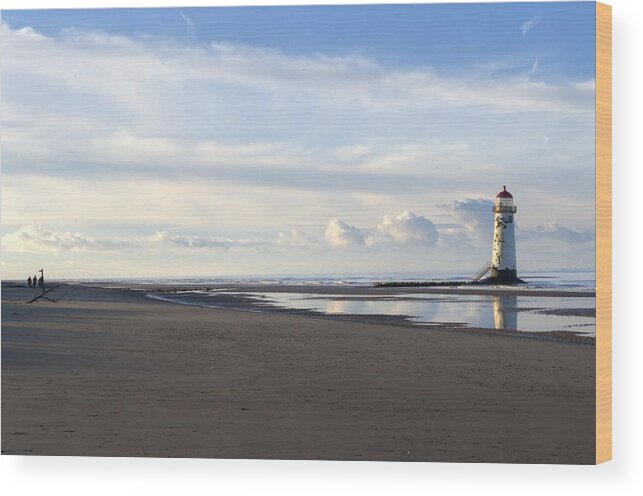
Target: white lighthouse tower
(503, 255)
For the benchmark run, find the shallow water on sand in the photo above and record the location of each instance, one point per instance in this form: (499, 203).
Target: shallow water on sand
(517, 313)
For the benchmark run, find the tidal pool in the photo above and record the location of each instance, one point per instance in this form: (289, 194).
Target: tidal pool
(517, 313)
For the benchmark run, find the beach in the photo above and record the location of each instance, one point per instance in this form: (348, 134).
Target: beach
(112, 372)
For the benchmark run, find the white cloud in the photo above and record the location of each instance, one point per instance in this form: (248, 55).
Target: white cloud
(295, 239)
(36, 239)
(474, 216)
(187, 19)
(146, 74)
(164, 238)
(557, 232)
(409, 228)
(82, 102)
(528, 25)
(341, 235)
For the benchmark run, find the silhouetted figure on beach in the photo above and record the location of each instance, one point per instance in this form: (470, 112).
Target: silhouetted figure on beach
(34, 281)
(29, 281)
(41, 282)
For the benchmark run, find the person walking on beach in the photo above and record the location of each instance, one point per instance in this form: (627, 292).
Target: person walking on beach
(29, 281)
(35, 281)
(41, 282)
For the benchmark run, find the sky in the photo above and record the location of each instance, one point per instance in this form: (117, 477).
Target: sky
(295, 140)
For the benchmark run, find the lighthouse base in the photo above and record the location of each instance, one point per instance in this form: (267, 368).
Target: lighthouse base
(507, 276)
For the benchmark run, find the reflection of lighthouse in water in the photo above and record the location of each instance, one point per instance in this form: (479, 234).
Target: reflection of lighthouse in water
(505, 313)
(503, 254)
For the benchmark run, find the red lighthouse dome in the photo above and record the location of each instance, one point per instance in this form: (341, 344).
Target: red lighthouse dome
(504, 193)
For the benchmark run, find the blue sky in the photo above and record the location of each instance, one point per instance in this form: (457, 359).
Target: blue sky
(444, 36)
(449, 37)
(267, 140)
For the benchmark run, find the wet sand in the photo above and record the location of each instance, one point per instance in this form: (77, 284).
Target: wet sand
(108, 372)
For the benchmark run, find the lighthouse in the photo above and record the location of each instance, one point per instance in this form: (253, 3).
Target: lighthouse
(503, 254)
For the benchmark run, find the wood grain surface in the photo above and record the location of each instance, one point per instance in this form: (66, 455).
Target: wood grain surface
(603, 232)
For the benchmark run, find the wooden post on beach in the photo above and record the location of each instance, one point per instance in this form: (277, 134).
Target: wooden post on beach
(39, 296)
(42, 275)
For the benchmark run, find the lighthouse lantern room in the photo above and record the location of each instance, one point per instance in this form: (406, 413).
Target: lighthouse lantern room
(503, 255)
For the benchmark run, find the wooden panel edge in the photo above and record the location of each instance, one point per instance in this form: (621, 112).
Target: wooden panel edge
(603, 232)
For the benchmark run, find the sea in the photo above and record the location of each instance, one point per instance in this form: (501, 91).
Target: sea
(567, 279)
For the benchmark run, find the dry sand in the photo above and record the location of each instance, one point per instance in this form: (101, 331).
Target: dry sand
(112, 373)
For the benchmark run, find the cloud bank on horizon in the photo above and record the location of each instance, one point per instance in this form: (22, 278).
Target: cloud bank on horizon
(215, 150)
